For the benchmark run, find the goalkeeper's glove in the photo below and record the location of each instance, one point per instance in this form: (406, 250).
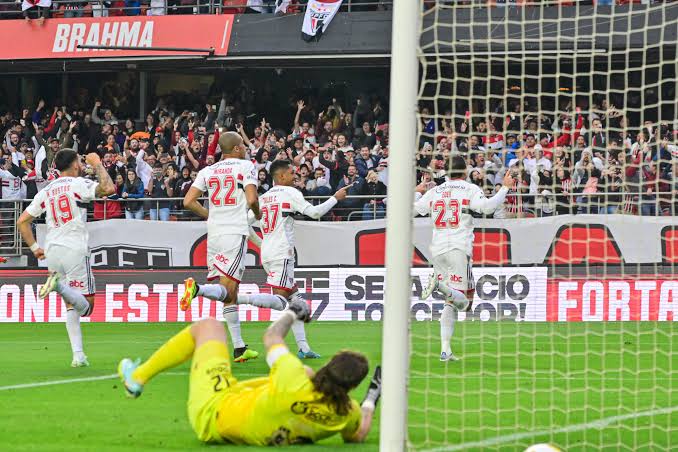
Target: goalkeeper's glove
(300, 310)
(373, 391)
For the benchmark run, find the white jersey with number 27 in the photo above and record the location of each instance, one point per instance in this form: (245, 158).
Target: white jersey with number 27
(277, 223)
(449, 206)
(225, 183)
(62, 202)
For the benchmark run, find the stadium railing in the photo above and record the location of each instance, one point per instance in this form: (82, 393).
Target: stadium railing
(530, 205)
(10, 240)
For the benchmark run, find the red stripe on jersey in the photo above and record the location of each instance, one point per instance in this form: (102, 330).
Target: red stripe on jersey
(465, 202)
(77, 196)
(240, 177)
(42, 205)
(286, 205)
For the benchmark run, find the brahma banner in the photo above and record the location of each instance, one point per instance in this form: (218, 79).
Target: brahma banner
(348, 294)
(60, 38)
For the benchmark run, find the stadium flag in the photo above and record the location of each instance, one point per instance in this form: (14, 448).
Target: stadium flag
(319, 14)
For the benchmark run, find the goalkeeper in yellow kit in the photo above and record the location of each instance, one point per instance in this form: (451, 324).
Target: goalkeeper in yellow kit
(291, 405)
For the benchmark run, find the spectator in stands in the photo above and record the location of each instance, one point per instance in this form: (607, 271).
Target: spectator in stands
(648, 204)
(319, 185)
(133, 189)
(356, 182)
(183, 183)
(374, 207)
(108, 116)
(365, 161)
(611, 183)
(161, 188)
(264, 182)
(382, 166)
(36, 9)
(365, 137)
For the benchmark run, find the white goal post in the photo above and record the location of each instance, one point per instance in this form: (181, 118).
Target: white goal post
(572, 338)
(402, 142)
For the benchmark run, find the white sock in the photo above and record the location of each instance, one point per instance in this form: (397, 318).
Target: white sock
(447, 327)
(263, 300)
(74, 332)
(212, 291)
(233, 323)
(299, 332)
(298, 328)
(74, 298)
(450, 293)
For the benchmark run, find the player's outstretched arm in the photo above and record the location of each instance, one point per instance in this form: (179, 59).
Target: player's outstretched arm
(317, 212)
(275, 334)
(480, 203)
(191, 203)
(367, 408)
(24, 226)
(106, 186)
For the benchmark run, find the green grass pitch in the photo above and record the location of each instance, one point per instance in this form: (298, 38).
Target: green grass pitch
(513, 378)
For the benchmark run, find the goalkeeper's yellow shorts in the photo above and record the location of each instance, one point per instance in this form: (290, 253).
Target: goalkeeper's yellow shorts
(210, 380)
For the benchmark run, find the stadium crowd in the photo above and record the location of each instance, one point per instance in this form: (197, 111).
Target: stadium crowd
(578, 161)
(43, 9)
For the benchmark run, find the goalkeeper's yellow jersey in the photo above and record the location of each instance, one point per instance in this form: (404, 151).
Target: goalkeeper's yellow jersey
(282, 408)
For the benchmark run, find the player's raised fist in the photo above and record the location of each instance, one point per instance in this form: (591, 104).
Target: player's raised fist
(93, 159)
(301, 310)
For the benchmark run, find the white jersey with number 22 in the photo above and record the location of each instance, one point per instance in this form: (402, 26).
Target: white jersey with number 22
(225, 183)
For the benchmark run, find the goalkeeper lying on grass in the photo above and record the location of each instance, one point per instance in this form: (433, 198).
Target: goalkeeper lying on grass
(292, 405)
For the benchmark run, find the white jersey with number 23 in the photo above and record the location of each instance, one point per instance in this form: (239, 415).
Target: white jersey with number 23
(449, 206)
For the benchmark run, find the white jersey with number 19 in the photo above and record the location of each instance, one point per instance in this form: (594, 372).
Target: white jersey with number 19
(225, 183)
(61, 200)
(448, 205)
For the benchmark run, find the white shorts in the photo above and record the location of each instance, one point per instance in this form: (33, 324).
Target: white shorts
(454, 268)
(226, 256)
(280, 274)
(74, 266)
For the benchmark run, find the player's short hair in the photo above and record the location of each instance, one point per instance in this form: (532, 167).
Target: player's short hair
(343, 373)
(457, 166)
(228, 141)
(278, 165)
(64, 159)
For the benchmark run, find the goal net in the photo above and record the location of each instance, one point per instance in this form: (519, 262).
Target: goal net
(571, 338)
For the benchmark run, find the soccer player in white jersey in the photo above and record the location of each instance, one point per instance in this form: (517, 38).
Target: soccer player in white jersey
(449, 206)
(277, 248)
(231, 185)
(66, 250)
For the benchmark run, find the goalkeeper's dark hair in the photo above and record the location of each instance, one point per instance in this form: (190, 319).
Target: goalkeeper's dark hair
(457, 167)
(277, 166)
(64, 159)
(343, 373)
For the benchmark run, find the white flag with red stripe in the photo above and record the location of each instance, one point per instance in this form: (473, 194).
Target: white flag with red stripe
(319, 14)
